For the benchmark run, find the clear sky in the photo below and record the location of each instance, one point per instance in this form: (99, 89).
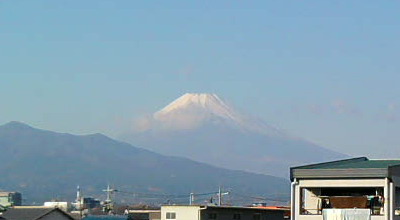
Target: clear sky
(327, 71)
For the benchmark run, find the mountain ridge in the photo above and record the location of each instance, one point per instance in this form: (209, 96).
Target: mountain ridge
(44, 165)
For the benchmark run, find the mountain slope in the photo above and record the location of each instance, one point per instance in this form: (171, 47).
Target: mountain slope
(45, 165)
(204, 128)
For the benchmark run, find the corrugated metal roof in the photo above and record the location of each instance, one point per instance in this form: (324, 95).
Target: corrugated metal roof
(354, 163)
(360, 167)
(30, 213)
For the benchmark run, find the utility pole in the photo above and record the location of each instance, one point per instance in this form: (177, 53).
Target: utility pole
(78, 201)
(191, 199)
(108, 203)
(219, 196)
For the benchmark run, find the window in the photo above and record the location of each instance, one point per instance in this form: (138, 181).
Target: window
(212, 215)
(171, 215)
(236, 216)
(314, 200)
(257, 216)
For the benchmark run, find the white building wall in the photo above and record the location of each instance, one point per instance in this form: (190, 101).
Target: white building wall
(182, 212)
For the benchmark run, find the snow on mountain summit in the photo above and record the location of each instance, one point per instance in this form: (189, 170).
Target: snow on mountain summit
(199, 103)
(192, 110)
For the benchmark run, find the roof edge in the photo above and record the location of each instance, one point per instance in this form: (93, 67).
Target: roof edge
(354, 159)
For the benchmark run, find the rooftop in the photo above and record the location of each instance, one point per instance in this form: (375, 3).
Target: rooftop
(361, 167)
(30, 213)
(353, 163)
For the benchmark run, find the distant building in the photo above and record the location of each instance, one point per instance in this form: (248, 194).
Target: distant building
(351, 187)
(144, 214)
(65, 206)
(35, 213)
(82, 203)
(86, 203)
(198, 212)
(8, 199)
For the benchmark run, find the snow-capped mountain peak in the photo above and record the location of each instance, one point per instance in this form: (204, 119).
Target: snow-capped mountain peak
(199, 103)
(192, 110)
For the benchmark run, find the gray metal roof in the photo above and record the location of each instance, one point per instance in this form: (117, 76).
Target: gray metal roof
(360, 167)
(21, 213)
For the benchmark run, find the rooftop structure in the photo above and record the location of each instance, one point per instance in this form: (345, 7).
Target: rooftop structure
(361, 167)
(357, 183)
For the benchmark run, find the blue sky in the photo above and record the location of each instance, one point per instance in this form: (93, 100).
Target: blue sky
(327, 71)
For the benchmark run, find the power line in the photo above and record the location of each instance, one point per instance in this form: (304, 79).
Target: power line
(259, 198)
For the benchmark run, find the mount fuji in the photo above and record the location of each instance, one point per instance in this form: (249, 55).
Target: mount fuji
(203, 127)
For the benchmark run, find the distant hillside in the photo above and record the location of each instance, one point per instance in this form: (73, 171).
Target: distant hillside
(44, 165)
(205, 128)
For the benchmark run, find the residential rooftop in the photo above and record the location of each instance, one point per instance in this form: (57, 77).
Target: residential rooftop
(360, 167)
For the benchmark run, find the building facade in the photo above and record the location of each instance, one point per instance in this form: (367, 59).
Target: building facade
(8, 199)
(358, 183)
(144, 214)
(198, 212)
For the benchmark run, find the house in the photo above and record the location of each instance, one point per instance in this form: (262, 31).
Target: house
(201, 212)
(8, 199)
(35, 213)
(347, 186)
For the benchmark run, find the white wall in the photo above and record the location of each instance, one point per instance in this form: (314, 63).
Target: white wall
(182, 212)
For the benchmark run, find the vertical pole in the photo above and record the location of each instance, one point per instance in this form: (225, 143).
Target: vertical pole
(386, 204)
(219, 196)
(191, 199)
(392, 202)
(293, 200)
(108, 193)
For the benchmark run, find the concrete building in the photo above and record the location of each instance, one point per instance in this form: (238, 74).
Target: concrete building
(199, 212)
(144, 214)
(35, 213)
(360, 184)
(8, 199)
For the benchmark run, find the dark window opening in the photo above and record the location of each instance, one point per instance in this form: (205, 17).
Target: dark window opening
(236, 216)
(212, 215)
(314, 200)
(257, 216)
(171, 215)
